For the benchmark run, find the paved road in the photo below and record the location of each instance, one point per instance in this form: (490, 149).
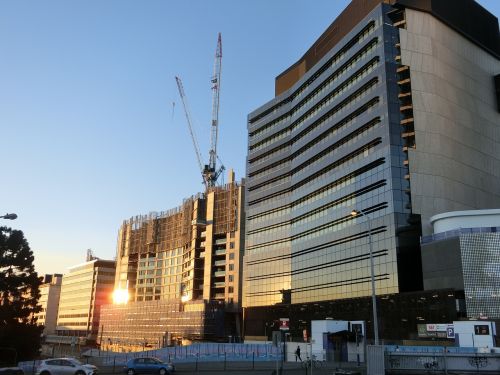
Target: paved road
(242, 368)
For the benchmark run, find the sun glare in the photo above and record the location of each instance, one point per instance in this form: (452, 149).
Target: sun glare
(120, 296)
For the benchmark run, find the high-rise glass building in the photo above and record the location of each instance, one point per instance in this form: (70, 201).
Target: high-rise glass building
(392, 112)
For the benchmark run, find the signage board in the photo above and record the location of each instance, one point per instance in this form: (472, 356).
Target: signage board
(436, 327)
(433, 330)
(450, 332)
(284, 324)
(481, 329)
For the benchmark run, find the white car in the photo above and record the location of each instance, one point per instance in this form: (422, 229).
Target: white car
(65, 366)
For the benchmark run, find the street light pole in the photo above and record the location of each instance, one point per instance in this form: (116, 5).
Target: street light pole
(9, 216)
(372, 273)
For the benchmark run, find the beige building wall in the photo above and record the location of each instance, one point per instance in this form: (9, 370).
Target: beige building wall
(456, 162)
(84, 289)
(49, 302)
(224, 241)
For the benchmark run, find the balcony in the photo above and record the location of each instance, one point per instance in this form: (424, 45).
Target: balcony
(402, 68)
(409, 134)
(220, 262)
(221, 241)
(220, 252)
(405, 81)
(407, 121)
(400, 24)
(220, 284)
(220, 273)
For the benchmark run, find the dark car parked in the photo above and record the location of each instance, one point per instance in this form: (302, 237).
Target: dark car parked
(148, 365)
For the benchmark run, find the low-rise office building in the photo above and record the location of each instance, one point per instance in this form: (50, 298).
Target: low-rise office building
(84, 289)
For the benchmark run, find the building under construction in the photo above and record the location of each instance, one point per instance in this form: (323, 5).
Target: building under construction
(181, 271)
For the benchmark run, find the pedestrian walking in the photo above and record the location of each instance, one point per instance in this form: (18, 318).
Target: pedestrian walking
(297, 354)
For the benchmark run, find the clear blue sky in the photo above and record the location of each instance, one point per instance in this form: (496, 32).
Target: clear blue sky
(88, 133)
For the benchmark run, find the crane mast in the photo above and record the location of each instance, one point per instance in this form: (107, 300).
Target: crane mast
(211, 173)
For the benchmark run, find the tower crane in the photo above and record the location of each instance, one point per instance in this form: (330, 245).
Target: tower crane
(212, 172)
(187, 112)
(209, 171)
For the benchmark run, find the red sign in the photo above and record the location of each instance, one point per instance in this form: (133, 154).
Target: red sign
(284, 324)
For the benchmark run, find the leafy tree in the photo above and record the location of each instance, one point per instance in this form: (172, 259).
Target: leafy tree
(19, 294)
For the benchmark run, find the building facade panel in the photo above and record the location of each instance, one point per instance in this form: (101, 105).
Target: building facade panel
(50, 292)
(481, 274)
(454, 100)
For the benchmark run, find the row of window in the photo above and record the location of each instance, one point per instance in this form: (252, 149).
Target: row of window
(334, 225)
(333, 95)
(73, 316)
(269, 215)
(339, 56)
(331, 188)
(174, 264)
(72, 324)
(359, 111)
(318, 268)
(321, 175)
(333, 130)
(267, 156)
(324, 174)
(330, 81)
(347, 103)
(160, 280)
(326, 85)
(323, 211)
(333, 150)
(162, 255)
(359, 38)
(285, 163)
(319, 194)
(322, 138)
